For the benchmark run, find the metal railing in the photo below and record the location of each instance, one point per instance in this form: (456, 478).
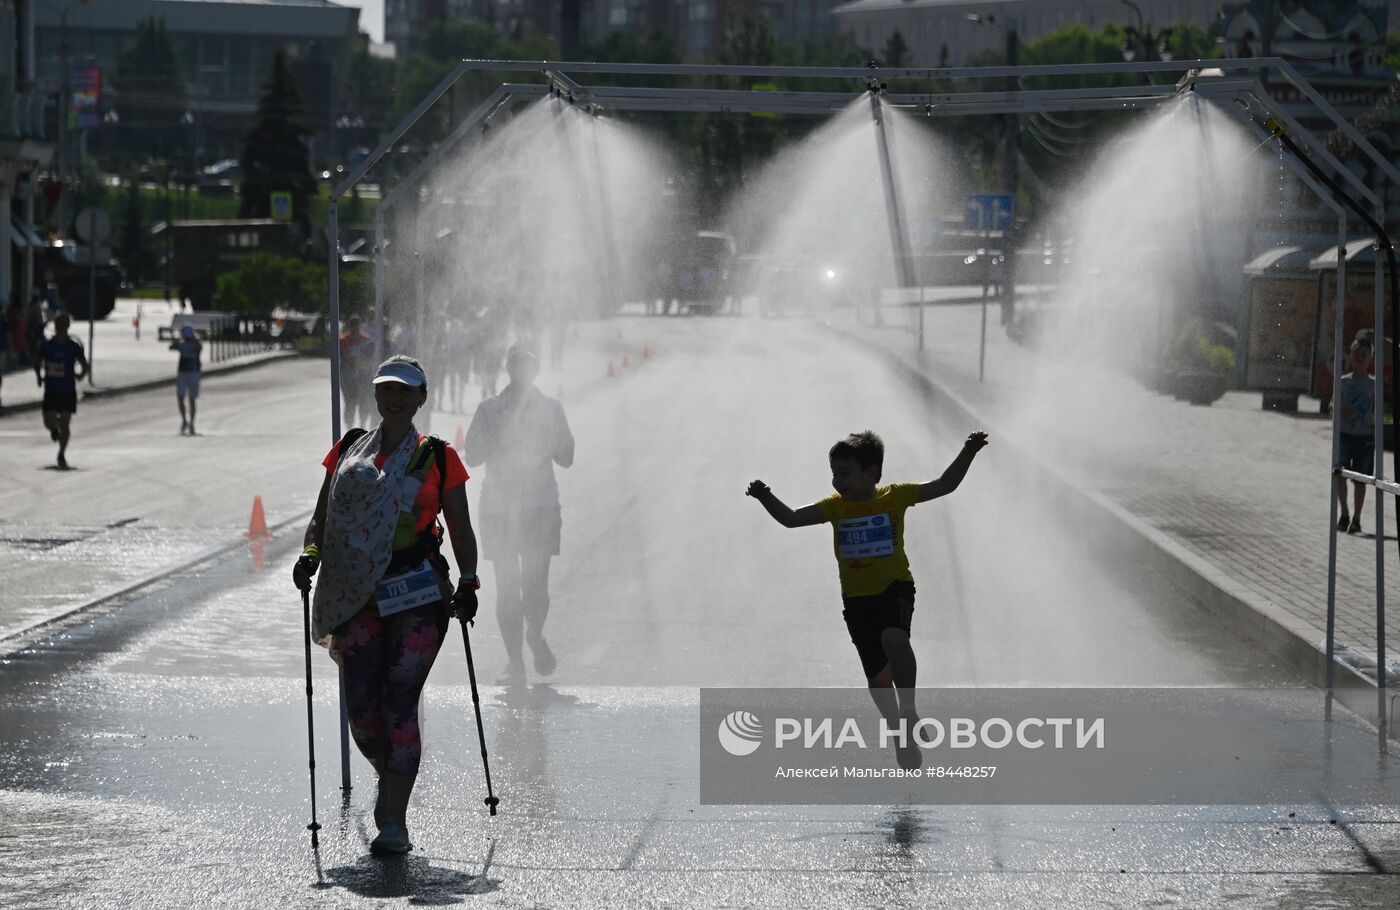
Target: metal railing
(869, 82)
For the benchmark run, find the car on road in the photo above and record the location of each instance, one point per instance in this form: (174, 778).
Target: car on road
(694, 273)
(65, 263)
(806, 287)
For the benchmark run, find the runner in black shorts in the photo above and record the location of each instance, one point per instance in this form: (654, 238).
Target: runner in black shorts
(877, 587)
(59, 366)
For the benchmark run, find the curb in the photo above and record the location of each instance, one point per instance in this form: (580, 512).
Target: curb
(1278, 632)
(148, 384)
(20, 639)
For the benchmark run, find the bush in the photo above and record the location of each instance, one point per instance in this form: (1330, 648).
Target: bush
(263, 282)
(1193, 349)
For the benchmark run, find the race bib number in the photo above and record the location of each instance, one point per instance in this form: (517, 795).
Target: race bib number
(55, 369)
(862, 538)
(407, 590)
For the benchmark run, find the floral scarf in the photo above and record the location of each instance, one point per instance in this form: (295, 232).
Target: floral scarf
(362, 511)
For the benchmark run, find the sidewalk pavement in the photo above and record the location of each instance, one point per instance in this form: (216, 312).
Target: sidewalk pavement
(1234, 497)
(120, 362)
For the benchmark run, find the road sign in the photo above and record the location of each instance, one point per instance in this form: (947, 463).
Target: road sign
(281, 206)
(94, 227)
(989, 211)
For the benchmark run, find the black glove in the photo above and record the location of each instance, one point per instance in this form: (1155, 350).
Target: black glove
(303, 571)
(464, 602)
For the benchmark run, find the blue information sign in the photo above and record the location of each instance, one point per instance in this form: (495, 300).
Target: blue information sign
(989, 211)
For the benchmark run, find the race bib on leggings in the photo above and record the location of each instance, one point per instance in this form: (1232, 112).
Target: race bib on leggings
(407, 590)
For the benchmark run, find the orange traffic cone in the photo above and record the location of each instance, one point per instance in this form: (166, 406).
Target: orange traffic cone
(626, 361)
(611, 371)
(459, 440)
(646, 352)
(257, 526)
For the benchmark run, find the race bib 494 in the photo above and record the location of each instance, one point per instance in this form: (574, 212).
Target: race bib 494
(862, 538)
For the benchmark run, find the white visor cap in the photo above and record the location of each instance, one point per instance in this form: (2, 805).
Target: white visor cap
(399, 371)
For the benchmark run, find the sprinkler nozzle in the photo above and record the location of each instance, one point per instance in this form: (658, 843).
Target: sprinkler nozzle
(1274, 127)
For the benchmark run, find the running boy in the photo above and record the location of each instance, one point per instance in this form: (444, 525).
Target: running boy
(57, 368)
(877, 587)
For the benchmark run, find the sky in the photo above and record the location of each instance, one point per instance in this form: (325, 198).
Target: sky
(371, 16)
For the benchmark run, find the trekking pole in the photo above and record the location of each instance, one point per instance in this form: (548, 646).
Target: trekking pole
(314, 827)
(491, 801)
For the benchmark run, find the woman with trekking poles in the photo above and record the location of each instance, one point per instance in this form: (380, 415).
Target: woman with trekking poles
(383, 596)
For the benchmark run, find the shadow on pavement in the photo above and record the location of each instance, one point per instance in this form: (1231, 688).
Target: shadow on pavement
(413, 877)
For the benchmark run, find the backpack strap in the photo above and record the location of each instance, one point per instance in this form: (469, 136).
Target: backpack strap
(439, 447)
(351, 436)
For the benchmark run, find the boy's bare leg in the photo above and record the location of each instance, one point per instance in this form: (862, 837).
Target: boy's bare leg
(903, 666)
(882, 693)
(1359, 494)
(184, 421)
(1342, 495)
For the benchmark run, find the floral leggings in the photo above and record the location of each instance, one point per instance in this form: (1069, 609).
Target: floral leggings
(386, 662)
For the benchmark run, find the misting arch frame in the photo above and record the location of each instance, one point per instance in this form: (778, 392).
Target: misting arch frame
(560, 82)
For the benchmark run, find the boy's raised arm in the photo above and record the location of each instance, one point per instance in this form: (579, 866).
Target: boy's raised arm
(955, 472)
(788, 518)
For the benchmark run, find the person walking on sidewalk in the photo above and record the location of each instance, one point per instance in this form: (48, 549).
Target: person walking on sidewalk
(1357, 394)
(187, 375)
(59, 366)
(382, 600)
(519, 435)
(877, 588)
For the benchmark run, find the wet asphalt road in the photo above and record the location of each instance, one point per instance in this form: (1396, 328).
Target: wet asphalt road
(154, 755)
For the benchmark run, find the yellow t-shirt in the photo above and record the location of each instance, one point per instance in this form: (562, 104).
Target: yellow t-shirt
(869, 538)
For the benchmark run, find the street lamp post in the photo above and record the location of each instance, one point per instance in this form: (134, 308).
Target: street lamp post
(1155, 43)
(1011, 174)
(64, 99)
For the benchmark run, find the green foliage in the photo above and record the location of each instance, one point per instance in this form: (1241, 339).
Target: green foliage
(133, 244)
(1193, 349)
(356, 291)
(895, 53)
(263, 282)
(446, 43)
(1054, 148)
(150, 98)
(1392, 51)
(275, 157)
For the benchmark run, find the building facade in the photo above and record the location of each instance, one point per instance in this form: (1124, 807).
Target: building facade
(942, 32)
(25, 147)
(224, 48)
(1339, 47)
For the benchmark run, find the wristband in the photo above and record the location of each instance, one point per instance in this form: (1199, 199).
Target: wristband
(313, 551)
(470, 581)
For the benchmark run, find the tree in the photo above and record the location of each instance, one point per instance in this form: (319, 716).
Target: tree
(132, 250)
(262, 283)
(895, 53)
(149, 96)
(275, 157)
